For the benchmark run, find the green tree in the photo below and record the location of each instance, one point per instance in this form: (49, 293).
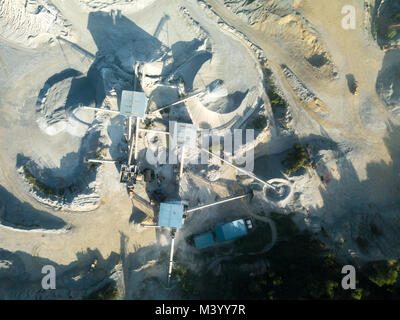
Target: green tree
(357, 294)
(383, 272)
(330, 288)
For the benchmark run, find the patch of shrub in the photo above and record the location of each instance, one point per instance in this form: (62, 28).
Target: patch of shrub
(186, 279)
(298, 158)
(284, 224)
(259, 123)
(391, 33)
(166, 111)
(375, 230)
(275, 98)
(107, 292)
(256, 240)
(216, 149)
(362, 243)
(382, 272)
(100, 154)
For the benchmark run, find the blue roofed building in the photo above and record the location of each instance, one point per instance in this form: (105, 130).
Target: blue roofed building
(231, 230)
(133, 104)
(171, 215)
(204, 240)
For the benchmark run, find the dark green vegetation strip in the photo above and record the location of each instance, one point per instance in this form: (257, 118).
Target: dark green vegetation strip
(256, 241)
(39, 186)
(385, 23)
(299, 267)
(275, 98)
(259, 123)
(107, 292)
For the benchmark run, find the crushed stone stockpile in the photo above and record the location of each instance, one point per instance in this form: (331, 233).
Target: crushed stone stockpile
(252, 12)
(31, 22)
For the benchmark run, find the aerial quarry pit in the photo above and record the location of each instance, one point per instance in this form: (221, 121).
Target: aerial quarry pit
(78, 190)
